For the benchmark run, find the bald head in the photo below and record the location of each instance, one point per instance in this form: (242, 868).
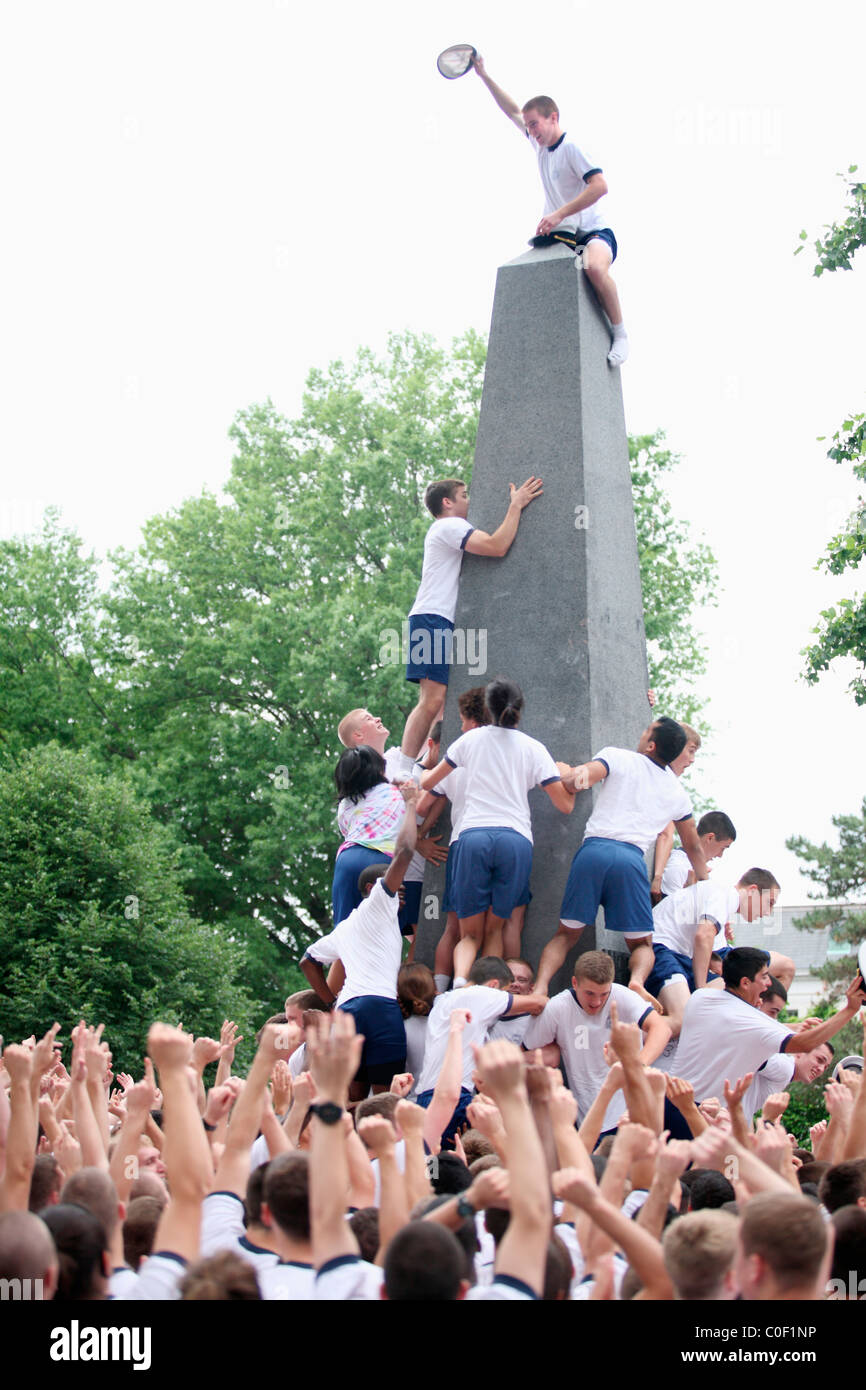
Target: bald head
(27, 1250)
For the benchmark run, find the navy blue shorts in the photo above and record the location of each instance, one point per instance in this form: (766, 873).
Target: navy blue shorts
(601, 234)
(430, 645)
(492, 868)
(447, 904)
(381, 1023)
(669, 963)
(609, 874)
(408, 916)
(345, 896)
(458, 1119)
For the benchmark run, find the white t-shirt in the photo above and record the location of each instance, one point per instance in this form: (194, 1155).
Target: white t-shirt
(222, 1228)
(636, 799)
(722, 1037)
(485, 1005)
(563, 169)
(288, 1279)
(368, 943)
(416, 1042)
(581, 1038)
(776, 1074)
(158, 1279)
(501, 767)
(675, 919)
(440, 574)
(454, 787)
(417, 864)
(513, 1030)
(676, 871)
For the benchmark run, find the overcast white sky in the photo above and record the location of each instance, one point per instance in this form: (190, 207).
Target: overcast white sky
(204, 199)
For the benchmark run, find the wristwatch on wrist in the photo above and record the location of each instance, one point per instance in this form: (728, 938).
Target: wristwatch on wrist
(328, 1112)
(465, 1208)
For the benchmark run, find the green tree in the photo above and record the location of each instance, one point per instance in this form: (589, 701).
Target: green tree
(93, 918)
(840, 873)
(242, 629)
(841, 631)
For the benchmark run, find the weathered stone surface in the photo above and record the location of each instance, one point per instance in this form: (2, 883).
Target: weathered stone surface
(562, 613)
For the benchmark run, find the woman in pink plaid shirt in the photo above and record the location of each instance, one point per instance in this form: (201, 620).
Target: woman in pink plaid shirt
(369, 816)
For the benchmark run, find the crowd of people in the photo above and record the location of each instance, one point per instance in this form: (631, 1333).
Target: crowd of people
(467, 1131)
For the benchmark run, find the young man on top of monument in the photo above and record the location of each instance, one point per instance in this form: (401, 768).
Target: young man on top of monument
(573, 187)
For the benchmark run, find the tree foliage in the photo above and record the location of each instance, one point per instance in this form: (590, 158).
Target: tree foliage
(217, 665)
(94, 921)
(840, 873)
(841, 631)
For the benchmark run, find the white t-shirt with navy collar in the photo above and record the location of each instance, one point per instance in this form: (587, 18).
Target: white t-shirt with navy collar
(676, 919)
(636, 800)
(502, 766)
(564, 169)
(722, 1038)
(581, 1038)
(440, 574)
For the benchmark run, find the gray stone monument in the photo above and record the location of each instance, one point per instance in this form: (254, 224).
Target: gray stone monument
(561, 614)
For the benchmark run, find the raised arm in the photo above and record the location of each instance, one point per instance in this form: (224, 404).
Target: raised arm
(809, 1038)
(23, 1128)
(664, 845)
(642, 1251)
(233, 1171)
(691, 843)
(407, 838)
(522, 1252)
(499, 543)
(505, 103)
(584, 776)
(186, 1150)
(334, 1050)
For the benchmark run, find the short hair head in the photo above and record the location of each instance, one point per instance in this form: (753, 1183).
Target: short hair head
(424, 1263)
(471, 705)
(699, 1250)
(710, 1190)
(743, 962)
(437, 493)
(596, 966)
(775, 989)
(761, 879)
(718, 824)
(139, 1229)
(849, 1249)
(788, 1232)
(365, 1225)
(844, 1184)
(348, 724)
(94, 1190)
(305, 999)
(384, 1104)
(358, 771)
(669, 739)
(367, 877)
(545, 106)
(487, 968)
(46, 1181)
(504, 702)
(287, 1194)
(225, 1277)
(26, 1247)
(692, 735)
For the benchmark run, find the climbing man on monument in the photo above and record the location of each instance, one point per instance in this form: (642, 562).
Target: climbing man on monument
(431, 617)
(573, 188)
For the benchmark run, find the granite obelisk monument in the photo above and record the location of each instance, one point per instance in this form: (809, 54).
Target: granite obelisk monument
(561, 614)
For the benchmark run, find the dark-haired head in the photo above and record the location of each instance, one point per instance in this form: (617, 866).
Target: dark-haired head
(504, 701)
(666, 738)
(358, 771)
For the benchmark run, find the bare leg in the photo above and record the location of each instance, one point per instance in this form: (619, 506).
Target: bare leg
(443, 963)
(430, 706)
(512, 933)
(641, 963)
(471, 936)
(674, 997)
(597, 258)
(492, 941)
(554, 954)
